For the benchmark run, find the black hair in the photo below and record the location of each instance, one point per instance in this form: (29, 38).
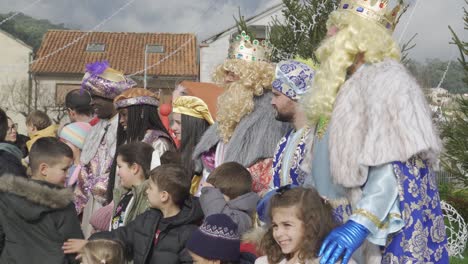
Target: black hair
(192, 130)
(139, 153)
(79, 100)
(121, 135)
(48, 150)
(11, 165)
(3, 125)
(141, 118)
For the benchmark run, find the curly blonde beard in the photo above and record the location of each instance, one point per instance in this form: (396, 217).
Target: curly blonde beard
(238, 99)
(356, 35)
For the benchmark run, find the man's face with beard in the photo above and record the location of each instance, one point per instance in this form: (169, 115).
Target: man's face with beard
(284, 106)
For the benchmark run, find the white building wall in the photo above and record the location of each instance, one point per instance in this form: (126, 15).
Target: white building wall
(216, 52)
(14, 68)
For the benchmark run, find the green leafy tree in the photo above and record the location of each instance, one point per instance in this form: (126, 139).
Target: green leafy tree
(455, 131)
(303, 29)
(28, 29)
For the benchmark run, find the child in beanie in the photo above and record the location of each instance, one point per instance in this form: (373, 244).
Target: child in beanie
(215, 241)
(228, 190)
(74, 135)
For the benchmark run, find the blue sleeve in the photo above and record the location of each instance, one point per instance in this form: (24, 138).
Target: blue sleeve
(378, 210)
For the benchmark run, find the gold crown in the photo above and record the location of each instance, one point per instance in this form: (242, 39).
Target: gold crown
(241, 47)
(375, 10)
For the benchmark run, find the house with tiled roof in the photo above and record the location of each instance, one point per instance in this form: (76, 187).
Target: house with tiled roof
(61, 59)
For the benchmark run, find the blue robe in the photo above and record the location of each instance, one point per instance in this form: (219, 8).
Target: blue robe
(288, 158)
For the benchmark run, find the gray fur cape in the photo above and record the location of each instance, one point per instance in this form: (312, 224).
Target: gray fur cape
(254, 138)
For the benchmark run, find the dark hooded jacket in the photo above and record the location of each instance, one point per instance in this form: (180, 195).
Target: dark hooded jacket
(36, 218)
(150, 238)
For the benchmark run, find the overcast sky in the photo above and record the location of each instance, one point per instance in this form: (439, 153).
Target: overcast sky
(206, 17)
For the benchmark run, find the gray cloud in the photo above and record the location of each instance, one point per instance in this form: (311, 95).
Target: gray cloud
(206, 17)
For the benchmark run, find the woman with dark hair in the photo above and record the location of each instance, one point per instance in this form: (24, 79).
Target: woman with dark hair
(139, 120)
(4, 145)
(190, 119)
(138, 115)
(18, 140)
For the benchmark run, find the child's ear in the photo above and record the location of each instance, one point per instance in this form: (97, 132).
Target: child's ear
(34, 129)
(165, 196)
(43, 168)
(135, 168)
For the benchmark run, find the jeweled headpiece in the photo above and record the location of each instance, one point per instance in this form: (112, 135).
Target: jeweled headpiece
(374, 10)
(244, 48)
(136, 96)
(103, 81)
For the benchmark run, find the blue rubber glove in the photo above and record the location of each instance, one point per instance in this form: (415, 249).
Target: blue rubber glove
(343, 240)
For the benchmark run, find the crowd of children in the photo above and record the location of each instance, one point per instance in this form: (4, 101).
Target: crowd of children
(154, 218)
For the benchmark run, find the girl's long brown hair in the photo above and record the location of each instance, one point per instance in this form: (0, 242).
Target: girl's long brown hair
(313, 211)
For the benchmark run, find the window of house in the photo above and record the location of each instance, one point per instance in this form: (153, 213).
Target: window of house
(96, 47)
(154, 48)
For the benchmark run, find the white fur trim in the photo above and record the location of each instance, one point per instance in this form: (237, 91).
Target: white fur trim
(380, 116)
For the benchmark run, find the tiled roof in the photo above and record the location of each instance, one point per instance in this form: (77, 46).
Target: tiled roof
(124, 51)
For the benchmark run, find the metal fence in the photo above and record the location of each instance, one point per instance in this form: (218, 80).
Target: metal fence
(444, 177)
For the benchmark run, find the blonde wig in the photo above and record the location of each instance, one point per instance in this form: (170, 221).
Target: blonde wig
(356, 35)
(238, 99)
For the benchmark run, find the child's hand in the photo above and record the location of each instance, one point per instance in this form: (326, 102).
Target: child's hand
(73, 246)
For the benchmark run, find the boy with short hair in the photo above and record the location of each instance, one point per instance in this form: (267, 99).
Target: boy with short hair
(39, 125)
(37, 215)
(158, 235)
(228, 190)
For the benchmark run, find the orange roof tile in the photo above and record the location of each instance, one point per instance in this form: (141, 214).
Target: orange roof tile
(124, 51)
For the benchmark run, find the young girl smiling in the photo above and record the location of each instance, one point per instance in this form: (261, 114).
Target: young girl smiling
(300, 220)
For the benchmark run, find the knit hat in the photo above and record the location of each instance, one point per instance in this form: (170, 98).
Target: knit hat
(75, 133)
(192, 106)
(293, 78)
(101, 80)
(101, 219)
(216, 239)
(136, 96)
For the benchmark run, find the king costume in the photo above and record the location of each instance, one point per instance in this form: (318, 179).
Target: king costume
(100, 145)
(246, 130)
(379, 147)
(293, 79)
